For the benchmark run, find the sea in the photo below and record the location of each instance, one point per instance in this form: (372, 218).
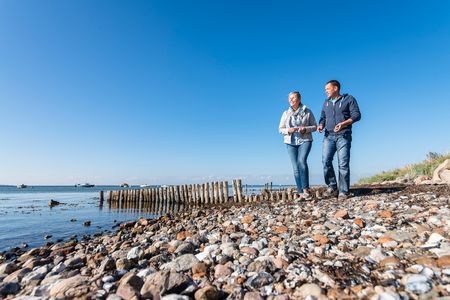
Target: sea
(26, 220)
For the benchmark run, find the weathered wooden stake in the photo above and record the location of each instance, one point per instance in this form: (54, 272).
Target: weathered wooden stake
(225, 191)
(234, 186)
(239, 190)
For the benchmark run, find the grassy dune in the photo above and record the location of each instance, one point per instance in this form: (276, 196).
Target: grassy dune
(412, 171)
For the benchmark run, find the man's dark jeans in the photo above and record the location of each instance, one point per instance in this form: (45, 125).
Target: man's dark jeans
(340, 143)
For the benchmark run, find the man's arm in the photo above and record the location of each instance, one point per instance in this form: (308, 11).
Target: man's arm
(322, 121)
(355, 116)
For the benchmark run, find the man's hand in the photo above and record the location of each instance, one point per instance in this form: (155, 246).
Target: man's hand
(292, 130)
(338, 127)
(320, 128)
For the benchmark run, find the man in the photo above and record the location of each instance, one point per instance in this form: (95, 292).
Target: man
(338, 114)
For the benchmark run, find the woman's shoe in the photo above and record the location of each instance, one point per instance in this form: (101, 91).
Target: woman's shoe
(306, 196)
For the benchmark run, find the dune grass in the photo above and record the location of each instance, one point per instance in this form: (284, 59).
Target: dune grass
(412, 171)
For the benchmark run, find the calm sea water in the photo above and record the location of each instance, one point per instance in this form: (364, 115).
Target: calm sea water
(25, 216)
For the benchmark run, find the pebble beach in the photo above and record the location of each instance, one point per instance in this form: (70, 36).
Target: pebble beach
(383, 244)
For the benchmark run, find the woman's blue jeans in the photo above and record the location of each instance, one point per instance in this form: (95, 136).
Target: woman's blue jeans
(299, 155)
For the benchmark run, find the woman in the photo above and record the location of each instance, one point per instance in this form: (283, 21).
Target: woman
(296, 125)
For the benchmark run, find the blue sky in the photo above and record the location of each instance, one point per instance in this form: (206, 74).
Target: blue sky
(190, 91)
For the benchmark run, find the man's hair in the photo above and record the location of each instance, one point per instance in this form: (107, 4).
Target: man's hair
(334, 82)
(296, 93)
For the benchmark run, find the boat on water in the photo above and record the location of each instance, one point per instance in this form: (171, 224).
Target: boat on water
(124, 185)
(87, 185)
(22, 186)
(145, 185)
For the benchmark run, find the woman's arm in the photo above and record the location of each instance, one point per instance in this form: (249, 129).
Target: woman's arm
(311, 123)
(282, 127)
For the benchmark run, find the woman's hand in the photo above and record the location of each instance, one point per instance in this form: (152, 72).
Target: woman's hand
(292, 130)
(302, 129)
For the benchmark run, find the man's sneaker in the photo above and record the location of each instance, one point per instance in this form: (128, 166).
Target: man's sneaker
(330, 192)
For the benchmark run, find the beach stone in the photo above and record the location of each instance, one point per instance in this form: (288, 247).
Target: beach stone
(182, 263)
(50, 279)
(435, 239)
(113, 297)
(61, 287)
(53, 203)
(426, 261)
(35, 275)
(249, 251)
(385, 239)
(321, 239)
(8, 268)
(170, 282)
(259, 280)
(135, 253)
(144, 273)
(386, 214)
(127, 292)
(41, 291)
(280, 263)
(386, 295)
(253, 296)
(182, 235)
(74, 262)
(199, 268)
(247, 219)
(444, 261)
(439, 170)
(362, 251)
(417, 283)
(221, 271)
(207, 293)
(17, 275)
(9, 288)
(400, 236)
(279, 229)
(174, 297)
(421, 178)
(308, 289)
(376, 255)
(341, 214)
(108, 278)
(359, 222)
(390, 261)
(123, 264)
(185, 248)
(133, 280)
(107, 264)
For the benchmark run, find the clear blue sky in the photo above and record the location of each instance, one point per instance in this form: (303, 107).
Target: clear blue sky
(188, 91)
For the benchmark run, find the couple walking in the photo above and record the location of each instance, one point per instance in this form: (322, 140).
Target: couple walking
(297, 124)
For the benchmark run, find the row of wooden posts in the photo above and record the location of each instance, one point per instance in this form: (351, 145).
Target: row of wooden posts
(182, 197)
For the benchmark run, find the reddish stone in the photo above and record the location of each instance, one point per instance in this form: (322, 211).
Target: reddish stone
(199, 267)
(360, 223)
(249, 250)
(385, 214)
(385, 239)
(247, 219)
(444, 261)
(341, 214)
(321, 239)
(182, 235)
(279, 229)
